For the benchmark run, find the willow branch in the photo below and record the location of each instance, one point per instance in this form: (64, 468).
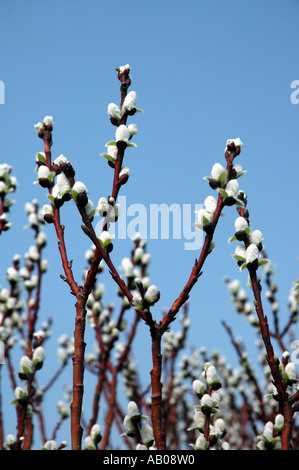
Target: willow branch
(157, 418)
(79, 344)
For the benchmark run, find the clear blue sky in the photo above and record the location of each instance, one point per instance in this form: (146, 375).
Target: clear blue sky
(204, 71)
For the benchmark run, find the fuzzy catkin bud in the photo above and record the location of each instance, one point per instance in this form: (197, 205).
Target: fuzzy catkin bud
(206, 400)
(105, 240)
(127, 267)
(203, 217)
(211, 375)
(10, 439)
(19, 392)
(38, 127)
(198, 387)
(199, 419)
(219, 426)
(124, 68)
(96, 432)
(279, 422)
(48, 121)
(112, 152)
(252, 253)
(200, 443)
(137, 301)
(216, 171)
(103, 206)
(240, 251)
(26, 365)
(113, 111)
(63, 183)
(210, 204)
(240, 224)
(122, 133)
(290, 369)
(232, 188)
(79, 193)
(132, 409)
(152, 294)
(38, 355)
(268, 431)
(236, 142)
(59, 160)
(79, 187)
(130, 100)
(50, 445)
(133, 129)
(146, 433)
(43, 171)
(256, 237)
(63, 409)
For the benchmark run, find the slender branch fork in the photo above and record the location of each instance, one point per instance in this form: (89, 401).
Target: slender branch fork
(81, 293)
(157, 329)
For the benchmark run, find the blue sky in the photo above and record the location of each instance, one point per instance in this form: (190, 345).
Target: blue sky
(203, 72)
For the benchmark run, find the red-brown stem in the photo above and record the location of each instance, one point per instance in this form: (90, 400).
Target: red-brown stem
(56, 429)
(78, 373)
(118, 164)
(285, 404)
(100, 254)
(158, 330)
(196, 270)
(79, 344)
(91, 275)
(21, 417)
(11, 370)
(156, 334)
(82, 294)
(287, 412)
(97, 394)
(278, 380)
(113, 271)
(110, 413)
(207, 425)
(157, 389)
(63, 253)
(42, 426)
